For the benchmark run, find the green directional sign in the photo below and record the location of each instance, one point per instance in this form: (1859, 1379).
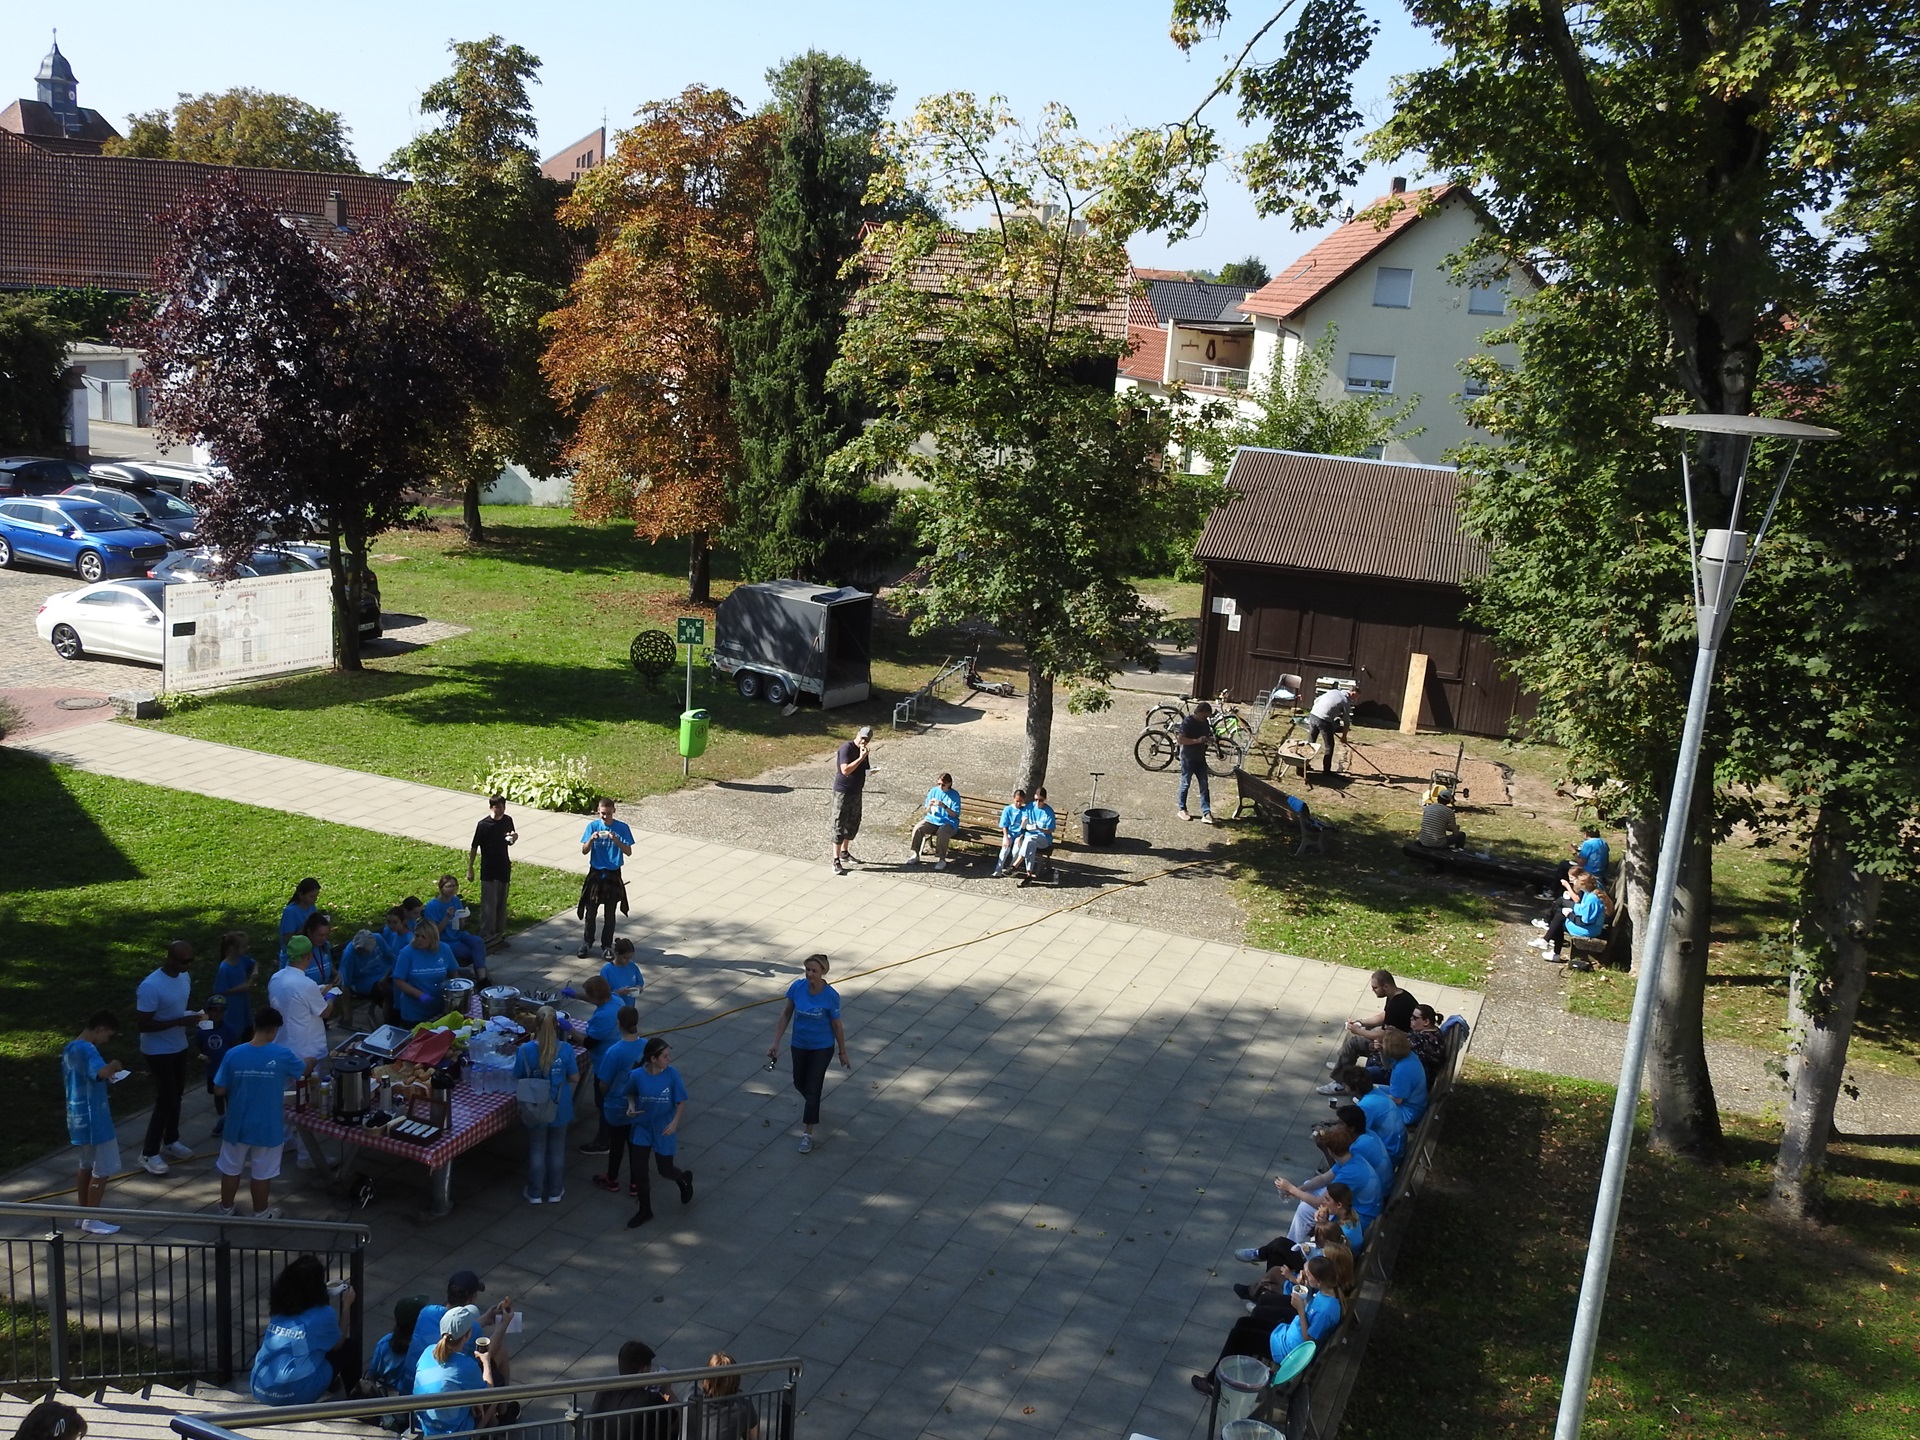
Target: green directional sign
(691, 631)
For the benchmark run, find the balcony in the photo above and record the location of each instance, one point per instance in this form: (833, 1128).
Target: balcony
(1203, 376)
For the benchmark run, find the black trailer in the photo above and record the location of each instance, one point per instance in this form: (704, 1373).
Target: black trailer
(784, 638)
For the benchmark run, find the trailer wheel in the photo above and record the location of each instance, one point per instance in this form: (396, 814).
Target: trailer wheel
(778, 691)
(748, 683)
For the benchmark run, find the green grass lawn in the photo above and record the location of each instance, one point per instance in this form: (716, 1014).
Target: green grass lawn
(119, 869)
(1721, 1323)
(552, 605)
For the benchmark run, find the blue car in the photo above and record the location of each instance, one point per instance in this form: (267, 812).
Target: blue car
(78, 535)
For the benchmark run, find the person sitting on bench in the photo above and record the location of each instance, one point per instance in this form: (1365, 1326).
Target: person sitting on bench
(1439, 830)
(1590, 855)
(1586, 918)
(1013, 824)
(1036, 840)
(941, 824)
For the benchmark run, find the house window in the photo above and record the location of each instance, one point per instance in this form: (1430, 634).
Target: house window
(1475, 387)
(1489, 297)
(1374, 452)
(1393, 287)
(1370, 372)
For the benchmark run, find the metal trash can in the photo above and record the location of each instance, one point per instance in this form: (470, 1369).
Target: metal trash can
(693, 734)
(1099, 827)
(1242, 1378)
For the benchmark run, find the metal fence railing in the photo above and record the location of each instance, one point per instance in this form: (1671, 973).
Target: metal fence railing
(1209, 376)
(184, 1299)
(772, 1408)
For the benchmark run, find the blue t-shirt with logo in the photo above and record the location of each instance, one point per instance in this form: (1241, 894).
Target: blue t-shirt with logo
(813, 1015)
(653, 1099)
(943, 806)
(526, 1066)
(89, 1121)
(1589, 916)
(462, 1372)
(603, 1028)
(1369, 1147)
(291, 1366)
(611, 1071)
(230, 979)
(1593, 857)
(1013, 819)
(623, 977)
(1041, 819)
(604, 837)
(361, 970)
(254, 1077)
(427, 969)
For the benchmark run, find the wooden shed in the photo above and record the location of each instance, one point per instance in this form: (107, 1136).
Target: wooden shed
(1320, 565)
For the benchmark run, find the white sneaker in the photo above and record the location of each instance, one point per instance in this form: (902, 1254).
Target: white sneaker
(272, 1212)
(153, 1165)
(99, 1227)
(1182, 813)
(806, 1144)
(1332, 1087)
(1206, 817)
(179, 1150)
(1333, 1064)
(914, 858)
(1544, 946)
(223, 1210)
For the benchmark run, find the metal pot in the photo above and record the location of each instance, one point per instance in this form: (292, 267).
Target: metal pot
(456, 995)
(497, 1000)
(352, 1087)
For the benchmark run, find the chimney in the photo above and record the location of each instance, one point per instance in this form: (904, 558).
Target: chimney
(1399, 184)
(337, 209)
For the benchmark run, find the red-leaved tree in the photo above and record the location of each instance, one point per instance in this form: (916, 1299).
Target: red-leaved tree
(320, 376)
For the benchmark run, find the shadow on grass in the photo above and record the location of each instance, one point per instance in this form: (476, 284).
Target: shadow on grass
(54, 840)
(593, 549)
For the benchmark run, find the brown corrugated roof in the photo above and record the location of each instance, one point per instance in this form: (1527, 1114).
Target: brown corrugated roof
(946, 272)
(100, 219)
(1148, 359)
(1343, 252)
(1368, 518)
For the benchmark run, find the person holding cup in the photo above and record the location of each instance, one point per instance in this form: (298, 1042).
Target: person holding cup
(160, 1008)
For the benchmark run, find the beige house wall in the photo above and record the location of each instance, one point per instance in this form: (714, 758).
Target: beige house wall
(1428, 339)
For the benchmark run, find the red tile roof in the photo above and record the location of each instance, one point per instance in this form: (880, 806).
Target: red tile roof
(99, 220)
(1148, 360)
(1145, 274)
(1367, 518)
(946, 271)
(1343, 252)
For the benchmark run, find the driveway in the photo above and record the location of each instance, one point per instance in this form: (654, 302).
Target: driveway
(28, 661)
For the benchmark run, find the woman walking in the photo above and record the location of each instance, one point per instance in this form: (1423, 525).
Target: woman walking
(656, 1101)
(813, 1008)
(550, 1111)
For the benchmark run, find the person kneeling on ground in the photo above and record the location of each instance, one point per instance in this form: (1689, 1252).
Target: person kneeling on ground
(305, 1348)
(1317, 1299)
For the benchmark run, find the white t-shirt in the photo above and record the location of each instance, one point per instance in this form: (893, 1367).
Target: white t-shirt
(164, 997)
(300, 1002)
(1332, 705)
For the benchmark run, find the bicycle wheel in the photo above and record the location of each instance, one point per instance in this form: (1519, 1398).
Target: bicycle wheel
(1165, 717)
(1155, 750)
(1225, 754)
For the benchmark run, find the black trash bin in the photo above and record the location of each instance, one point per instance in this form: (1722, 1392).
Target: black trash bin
(1099, 827)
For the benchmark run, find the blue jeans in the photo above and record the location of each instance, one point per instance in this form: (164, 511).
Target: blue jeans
(546, 1161)
(468, 948)
(1193, 766)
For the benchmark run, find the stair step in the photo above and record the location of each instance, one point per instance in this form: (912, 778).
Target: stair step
(124, 1415)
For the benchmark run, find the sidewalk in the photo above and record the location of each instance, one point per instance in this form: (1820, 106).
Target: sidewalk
(1020, 1218)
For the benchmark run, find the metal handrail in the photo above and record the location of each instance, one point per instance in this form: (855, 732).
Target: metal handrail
(164, 1218)
(491, 1395)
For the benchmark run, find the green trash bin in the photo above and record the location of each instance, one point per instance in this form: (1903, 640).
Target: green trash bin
(693, 734)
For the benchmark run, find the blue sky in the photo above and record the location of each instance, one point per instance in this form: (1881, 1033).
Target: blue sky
(1111, 63)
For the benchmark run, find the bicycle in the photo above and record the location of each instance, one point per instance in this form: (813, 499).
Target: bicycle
(1159, 744)
(1167, 715)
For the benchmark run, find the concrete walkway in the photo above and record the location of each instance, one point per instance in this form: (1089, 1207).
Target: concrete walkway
(1020, 1220)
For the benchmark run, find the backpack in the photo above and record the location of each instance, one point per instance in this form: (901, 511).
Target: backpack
(539, 1097)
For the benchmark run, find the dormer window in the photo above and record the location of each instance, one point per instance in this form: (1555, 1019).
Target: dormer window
(1393, 287)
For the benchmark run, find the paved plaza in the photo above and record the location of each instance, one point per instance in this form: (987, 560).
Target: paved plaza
(1020, 1221)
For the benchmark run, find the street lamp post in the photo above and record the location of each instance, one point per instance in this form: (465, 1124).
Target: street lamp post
(1720, 560)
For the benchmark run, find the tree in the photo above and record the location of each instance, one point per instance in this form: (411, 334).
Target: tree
(790, 516)
(241, 126)
(1293, 413)
(1250, 273)
(497, 242)
(33, 375)
(321, 380)
(643, 341)
(1673, 155)
(1041, 481)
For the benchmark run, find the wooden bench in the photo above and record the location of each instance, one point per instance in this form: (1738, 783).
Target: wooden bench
(1270, 803)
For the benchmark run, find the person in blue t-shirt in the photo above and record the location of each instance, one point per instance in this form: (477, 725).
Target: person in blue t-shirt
(366, 968)
(1013, 824)
(1383, 1116)
(1366, 1145)
(385, 1373)
(449, 1367)
(622, 972)
(1406, 1078)
(215, 1035)
(610, 1073)
(234, 978)
(419, 970)
(305, 1347)
(254, 1078)
(1586, 917)
(656, 1102)
(941, 824)
(1036, 835)
(1315, 1300)
(86, 1073)
(1591, 857)
(813, 1007)
(306, 899)
(395, 934)
(1336, 1143)
(545, 1058)
(603, 1026)
(449, 912)
(606, 842)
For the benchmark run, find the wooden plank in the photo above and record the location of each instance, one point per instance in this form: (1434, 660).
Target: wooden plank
(1416, 692)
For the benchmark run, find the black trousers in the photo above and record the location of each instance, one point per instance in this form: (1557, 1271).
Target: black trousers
(605, 907)
(663, 1163)
(810, 1078)
(1318, 729)
(1252, 1334)
(169, 1085)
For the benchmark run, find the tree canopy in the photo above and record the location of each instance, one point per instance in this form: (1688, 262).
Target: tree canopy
(33, 369)
(241, 126)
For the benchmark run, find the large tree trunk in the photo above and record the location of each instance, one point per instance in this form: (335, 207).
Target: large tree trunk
(346, 606)
(1636, 881)
(470, 509)
(699, 565)
(1838, 907)
(1039, 747)
(1685, 1119)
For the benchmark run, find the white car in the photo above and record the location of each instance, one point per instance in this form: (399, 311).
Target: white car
(122, 618)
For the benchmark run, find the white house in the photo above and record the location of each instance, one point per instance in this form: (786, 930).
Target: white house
(1403, 324)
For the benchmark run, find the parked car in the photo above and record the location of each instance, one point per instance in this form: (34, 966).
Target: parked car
(199, 564)
(189, 482)
(95, 542)
(38, 475)
(123, 618)
(369, 582)
(146, 507)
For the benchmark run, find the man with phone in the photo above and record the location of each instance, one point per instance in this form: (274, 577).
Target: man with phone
(852, 763)
(493, 839)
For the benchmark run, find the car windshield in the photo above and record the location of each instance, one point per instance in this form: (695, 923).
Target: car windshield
(95, 517)
(279, 562)
(152, 589)
(158, 502)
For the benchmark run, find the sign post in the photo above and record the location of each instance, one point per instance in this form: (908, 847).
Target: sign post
(690, 631)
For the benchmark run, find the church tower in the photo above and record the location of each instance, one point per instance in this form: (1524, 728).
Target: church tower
(55, 118)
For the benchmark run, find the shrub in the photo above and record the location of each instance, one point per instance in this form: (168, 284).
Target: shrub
(546, 784)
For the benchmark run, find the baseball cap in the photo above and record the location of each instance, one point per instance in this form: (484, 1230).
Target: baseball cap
(214, 1002)
(458, 1320)
(464, 1284)
(297, 946)
(865, 733)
